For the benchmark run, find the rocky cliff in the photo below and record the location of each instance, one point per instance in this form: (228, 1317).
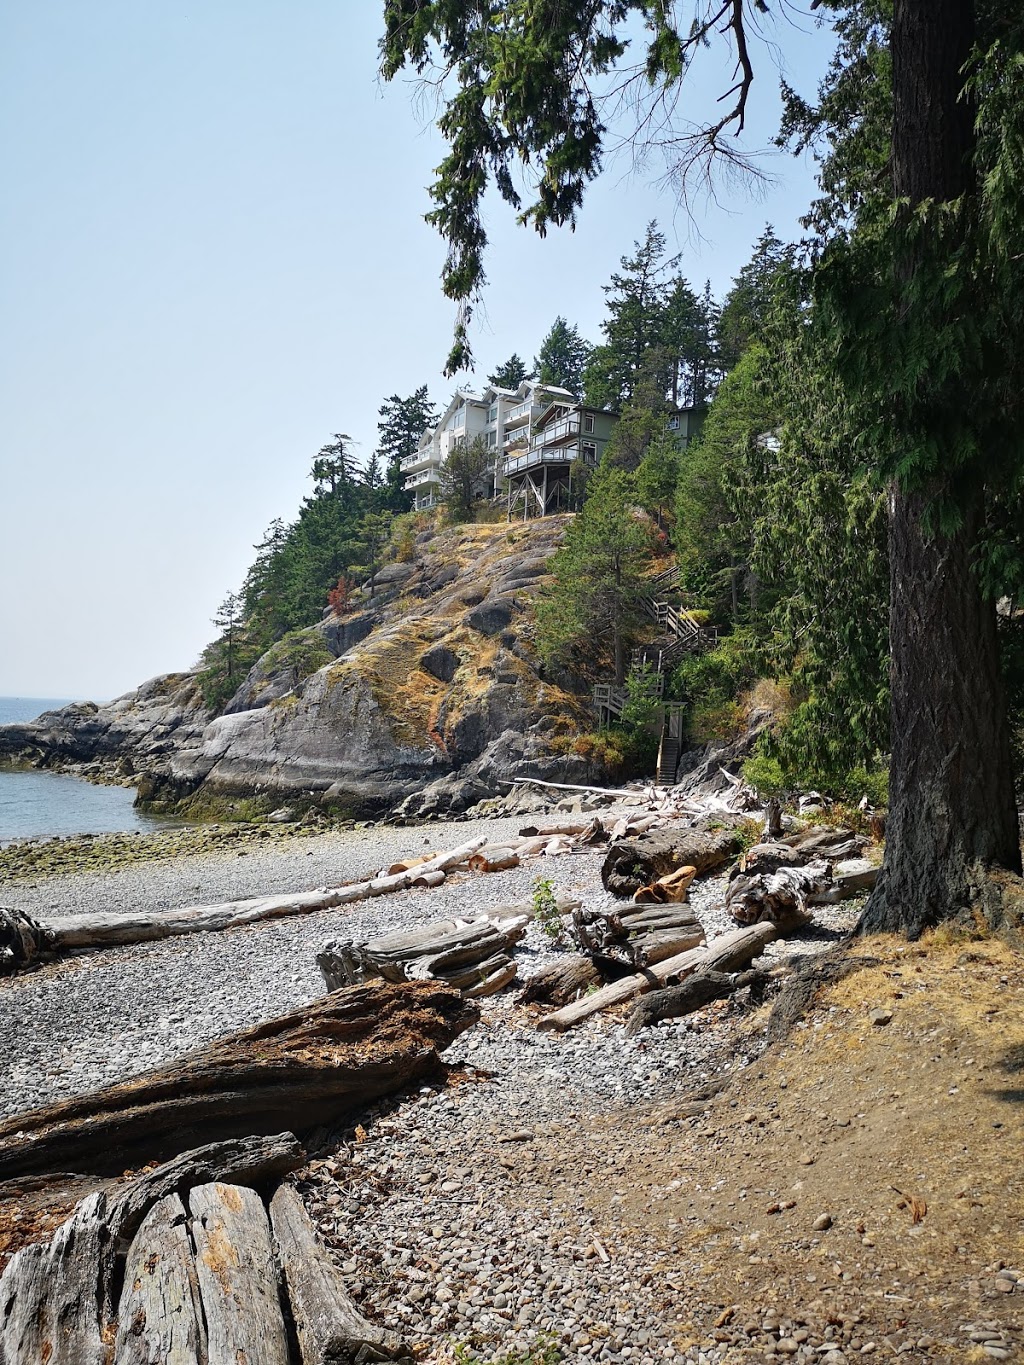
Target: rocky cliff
(421, 700)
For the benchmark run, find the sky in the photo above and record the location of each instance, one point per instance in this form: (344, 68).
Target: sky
(213, 256)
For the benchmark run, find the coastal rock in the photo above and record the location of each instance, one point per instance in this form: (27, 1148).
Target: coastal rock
(428, 705)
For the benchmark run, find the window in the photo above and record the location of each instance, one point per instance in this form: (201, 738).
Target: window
(673, 424)
(492, 413)
(589, 452)
(588, 421)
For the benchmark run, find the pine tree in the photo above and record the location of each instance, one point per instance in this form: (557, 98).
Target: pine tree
(462, 475)
(562, 357)
(749, 301)
(510, 375)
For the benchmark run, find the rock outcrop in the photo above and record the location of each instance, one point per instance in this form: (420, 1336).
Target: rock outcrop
(430, 697)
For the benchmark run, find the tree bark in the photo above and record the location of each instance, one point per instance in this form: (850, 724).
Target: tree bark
(952, 814)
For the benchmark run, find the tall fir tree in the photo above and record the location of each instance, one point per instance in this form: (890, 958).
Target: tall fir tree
(509, 375)
(563, 357)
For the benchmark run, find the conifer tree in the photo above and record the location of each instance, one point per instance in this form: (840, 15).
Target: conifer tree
(402, 422)
(562, 357)
(594, 602)
(509, 375)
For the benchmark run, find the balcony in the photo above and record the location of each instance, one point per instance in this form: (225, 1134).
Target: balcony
(522, 413)
(557, 431)
(517, 438)
(560, 455)
(420, 458)
(427, 476)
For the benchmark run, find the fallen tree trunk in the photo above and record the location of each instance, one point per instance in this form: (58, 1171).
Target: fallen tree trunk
(103, 929)
(727, 953)
(692, 994)
(306, 1068)
(160, 1315)
(784, 897)
(633, 863)
(560, 984)
(329, 1327)
(429, 951)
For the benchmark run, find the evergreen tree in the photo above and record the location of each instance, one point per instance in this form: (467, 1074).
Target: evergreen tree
(462, 476)
(594, 600)
(635, 350)
(403, 422)
(510, 375)
(749, 301)
(562, 357)
(334, 469)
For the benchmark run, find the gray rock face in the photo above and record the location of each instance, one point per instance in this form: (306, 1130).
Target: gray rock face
(136, 733)
(428, 707)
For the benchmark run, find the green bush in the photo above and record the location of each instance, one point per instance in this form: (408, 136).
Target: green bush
(303, 651)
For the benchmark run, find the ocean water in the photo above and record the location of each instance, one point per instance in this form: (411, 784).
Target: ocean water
(37, 804)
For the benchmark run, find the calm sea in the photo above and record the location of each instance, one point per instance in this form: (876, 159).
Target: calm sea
(33, 804)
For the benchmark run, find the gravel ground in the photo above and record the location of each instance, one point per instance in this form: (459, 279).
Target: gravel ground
(431, 1235)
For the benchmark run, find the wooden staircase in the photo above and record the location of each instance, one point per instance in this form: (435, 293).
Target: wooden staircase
(682, 634)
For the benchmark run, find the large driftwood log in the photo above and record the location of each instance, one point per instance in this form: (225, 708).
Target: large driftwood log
(103, 929)
(633, 863)
(160, 1318)
(731, 951)
(784, 897)
(329, 1327)
(254, 1161)
(422, 953)
(306, 1068)
(692, 994)
(237, 1277)
(562, 983)
(53, 1294)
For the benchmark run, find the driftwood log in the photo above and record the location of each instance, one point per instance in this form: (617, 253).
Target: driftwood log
(23, 941)
(640, 936)
(633, 863)
(329, 1328)
(305, 1068)
(208, 1279)
(785, 896)
(728, 953)
(562, 983)
(692, 994)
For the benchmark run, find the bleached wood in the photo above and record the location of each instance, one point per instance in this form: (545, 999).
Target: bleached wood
(52, 1295)
(727, 953)
(103, 929)
(329, 1327)
(159, 1318)
(237, 1274)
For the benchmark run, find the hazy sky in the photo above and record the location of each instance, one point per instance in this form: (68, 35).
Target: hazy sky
(213, 257)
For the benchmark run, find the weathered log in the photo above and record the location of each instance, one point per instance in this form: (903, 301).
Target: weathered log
(160, 1318)
(644, 950)
(826, 842)
(425, 879)
(855, 875)
(692, 994)
(53, 1294)
(329, 1327)
(497, 979)
(560, 984)
(731, 951)
(237, 1276)
(632, 863)
(104, 929)
(407, 864)
(641, 937)
(473, 973)
(422, 953)
(307, 1068)
(253, 1161)
(23, 941)
(497, 858)
(783, 897)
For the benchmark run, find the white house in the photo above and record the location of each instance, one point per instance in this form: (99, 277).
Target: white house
(503, 417)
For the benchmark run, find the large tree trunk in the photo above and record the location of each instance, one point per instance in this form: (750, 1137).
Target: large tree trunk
(952, 813)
